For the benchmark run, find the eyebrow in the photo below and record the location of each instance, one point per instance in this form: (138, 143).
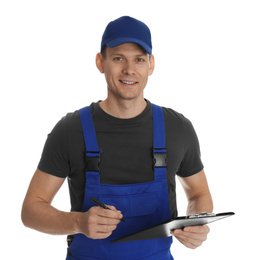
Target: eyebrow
(137, 55)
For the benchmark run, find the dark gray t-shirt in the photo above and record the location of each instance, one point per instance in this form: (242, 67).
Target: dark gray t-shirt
(126, 145)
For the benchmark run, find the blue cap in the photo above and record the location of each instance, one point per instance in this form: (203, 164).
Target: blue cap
(127, 29)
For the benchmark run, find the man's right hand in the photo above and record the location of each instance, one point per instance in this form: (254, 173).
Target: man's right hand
(99, 223)
(39, 214)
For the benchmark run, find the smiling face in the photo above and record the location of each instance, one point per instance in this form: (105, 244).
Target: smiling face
(126, 68)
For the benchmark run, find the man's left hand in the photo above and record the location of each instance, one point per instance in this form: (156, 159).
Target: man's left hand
(192, 237)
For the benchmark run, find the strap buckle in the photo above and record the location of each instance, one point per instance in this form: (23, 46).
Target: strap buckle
(160, 157)
(92, 161)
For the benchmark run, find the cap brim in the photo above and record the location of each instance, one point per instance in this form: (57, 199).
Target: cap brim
(123, 40)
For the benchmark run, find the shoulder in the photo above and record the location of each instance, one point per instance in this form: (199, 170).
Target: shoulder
(179, 125)
(70, 118)
(174, 117)
(63, 126)
(71, 121)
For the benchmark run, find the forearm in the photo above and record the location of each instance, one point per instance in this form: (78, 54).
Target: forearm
(96, 223)
(41, 216)
(200, 203)
(199, 200)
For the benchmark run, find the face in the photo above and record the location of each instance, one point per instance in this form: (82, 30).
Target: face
(126, 68)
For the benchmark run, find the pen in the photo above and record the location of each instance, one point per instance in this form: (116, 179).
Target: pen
(102, 205)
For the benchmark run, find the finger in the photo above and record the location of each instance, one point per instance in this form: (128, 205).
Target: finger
(190, 243)
(100, 231)
(106, 228)
(193, 235)
(96, 228)
(187, 244)
(101, 220)
(191, 240)
(116, 214)
(111, 207)
(102, 216)
(101, 235)
(190, 235)
(198, 229)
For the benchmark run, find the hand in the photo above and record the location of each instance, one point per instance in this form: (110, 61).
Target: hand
(99, 223)
(192, 237)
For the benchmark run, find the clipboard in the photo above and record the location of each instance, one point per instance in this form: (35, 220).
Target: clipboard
(164, 229)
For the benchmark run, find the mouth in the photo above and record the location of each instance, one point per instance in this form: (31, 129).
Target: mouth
(128, 83)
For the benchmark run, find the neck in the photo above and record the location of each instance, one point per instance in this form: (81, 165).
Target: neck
(123, 109)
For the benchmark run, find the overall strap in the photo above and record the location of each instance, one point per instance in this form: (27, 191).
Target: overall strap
(92, 149)
(159, 147)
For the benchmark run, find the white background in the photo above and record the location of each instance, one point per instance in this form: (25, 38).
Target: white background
(205, 68)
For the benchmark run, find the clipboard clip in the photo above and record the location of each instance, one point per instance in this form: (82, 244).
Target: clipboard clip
(201, 215)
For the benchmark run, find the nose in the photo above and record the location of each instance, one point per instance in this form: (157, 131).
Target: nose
(129, 68)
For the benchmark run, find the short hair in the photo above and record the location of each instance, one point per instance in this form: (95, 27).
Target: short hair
(103, 53)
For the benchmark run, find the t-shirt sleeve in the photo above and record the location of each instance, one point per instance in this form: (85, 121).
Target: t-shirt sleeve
(191, 163)
(55, 156)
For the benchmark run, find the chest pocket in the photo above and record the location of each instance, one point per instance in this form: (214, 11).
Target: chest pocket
(133, 205)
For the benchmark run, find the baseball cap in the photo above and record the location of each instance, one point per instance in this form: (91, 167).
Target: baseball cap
(127, 29)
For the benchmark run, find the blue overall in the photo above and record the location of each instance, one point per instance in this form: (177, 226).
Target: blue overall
(142, 204)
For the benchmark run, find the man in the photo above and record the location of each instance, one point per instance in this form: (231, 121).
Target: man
(124, 151)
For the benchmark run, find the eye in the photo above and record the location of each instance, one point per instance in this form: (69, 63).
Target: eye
(140, 60)
(118, 59)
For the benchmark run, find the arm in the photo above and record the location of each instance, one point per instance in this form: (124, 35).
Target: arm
(199, 200)
(198, 194)
(37, 212)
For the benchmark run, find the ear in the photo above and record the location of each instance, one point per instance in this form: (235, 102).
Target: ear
(99, 62)
(151, 65)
